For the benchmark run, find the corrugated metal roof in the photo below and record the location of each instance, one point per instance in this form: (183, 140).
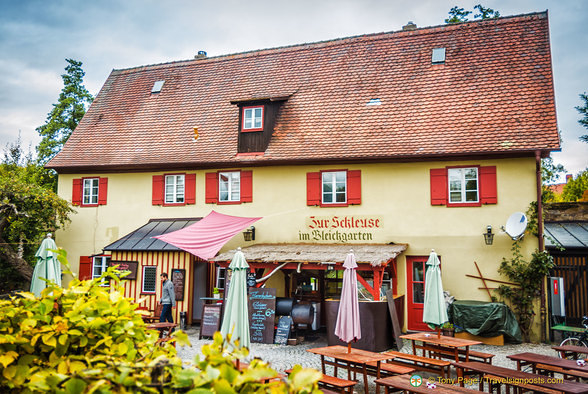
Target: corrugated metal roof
(566, 234)
(141, 239)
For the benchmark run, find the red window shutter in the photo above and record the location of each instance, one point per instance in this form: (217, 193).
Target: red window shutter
(246, 186)
(157, 190)
(438, 186)
(354, 187)
(76, 192)
(190, 190)
(211, 187)
(102, 191)
(488, 194)
(85, 270)
(313, 188)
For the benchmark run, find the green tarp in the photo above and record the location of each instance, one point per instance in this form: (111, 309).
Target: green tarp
(485, 319)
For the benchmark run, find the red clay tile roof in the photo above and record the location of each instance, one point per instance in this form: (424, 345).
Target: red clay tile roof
(493, 95)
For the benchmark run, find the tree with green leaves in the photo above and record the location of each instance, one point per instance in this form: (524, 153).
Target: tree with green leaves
(28, 210)
(90, 338)
(550, 173)
(66, 114)
(459, 15)
(574, 188)
(583, 110)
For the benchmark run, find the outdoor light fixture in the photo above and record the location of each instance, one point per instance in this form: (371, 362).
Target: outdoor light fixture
(249, 234)
(488, 236)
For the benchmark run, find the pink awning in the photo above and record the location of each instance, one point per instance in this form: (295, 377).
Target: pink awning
(205, 237)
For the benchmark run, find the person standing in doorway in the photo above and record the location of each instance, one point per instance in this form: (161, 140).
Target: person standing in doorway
(168, 299)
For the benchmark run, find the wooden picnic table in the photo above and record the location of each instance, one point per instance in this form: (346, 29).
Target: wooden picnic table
(407, 383)
(513, 377)
(570, 350)
(550, 363)
(165, 328)
(355, 361)
(431, 343)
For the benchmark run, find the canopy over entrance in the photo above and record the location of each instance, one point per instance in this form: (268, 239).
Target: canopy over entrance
(374, 254)
(207, 236)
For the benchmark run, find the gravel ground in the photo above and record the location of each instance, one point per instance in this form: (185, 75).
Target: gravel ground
(284, 357)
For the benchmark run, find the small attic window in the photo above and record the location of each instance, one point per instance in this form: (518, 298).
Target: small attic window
(438, 56)
(374, 101)
(157, 86)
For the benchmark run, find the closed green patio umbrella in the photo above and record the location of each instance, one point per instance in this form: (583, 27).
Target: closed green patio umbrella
(47, 267)
(236, 317)
(435, 311)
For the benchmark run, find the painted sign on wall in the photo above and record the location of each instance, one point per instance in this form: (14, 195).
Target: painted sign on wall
(340, 229)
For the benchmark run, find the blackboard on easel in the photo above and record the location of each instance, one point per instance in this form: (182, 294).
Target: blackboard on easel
(394, 316)
(283, 331)
(211, 314)
(262, 307)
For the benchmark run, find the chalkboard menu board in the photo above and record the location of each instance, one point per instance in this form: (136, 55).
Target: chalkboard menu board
(283, 331)
(262, 309)
(211, 314)
(178, 278)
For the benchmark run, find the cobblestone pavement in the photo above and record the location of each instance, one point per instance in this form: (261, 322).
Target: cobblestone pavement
(283, 357)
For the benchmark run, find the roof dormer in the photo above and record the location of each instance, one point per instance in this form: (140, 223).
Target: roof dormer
(257, 118)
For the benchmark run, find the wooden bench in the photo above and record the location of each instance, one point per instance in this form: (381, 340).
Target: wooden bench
(567, 374)
(496, 381)
(388, 369)
(333, 383)
(474, 355)
(420, 363)
(403, 383)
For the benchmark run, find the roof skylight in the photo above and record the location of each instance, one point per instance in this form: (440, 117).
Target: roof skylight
(157, 86)
(438, 56)
(374, 101)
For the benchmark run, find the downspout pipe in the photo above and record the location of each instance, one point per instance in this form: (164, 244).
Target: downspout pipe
(543, 310)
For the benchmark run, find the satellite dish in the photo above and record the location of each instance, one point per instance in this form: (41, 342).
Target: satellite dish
(516, 225)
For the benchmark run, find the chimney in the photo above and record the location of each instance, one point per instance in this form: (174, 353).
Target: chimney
(569, 177)
(200, 55)
(409, 26)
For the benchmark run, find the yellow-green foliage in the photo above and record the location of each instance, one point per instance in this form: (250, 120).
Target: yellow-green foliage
(89, 338)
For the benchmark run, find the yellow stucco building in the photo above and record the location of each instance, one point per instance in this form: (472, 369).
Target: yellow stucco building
(372, 140)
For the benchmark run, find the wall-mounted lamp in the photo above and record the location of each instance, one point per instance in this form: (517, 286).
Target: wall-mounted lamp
(330, 267)
(488, 235)
(249, 234)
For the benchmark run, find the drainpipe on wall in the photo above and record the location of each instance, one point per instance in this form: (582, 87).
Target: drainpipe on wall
(543, 311)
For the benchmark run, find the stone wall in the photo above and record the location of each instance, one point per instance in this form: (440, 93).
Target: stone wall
(566, 212)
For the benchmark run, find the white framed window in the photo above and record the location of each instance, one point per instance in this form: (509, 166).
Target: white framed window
(229, 186)
(221, 276)
(334, 187)
(99, 266)
(174, 189)
(463, 185)
(90, 191)
(149, 279)
(253, 118)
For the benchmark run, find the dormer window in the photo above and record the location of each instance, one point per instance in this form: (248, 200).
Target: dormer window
(253, 118)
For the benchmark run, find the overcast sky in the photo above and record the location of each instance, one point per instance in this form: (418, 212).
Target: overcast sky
(36, 36)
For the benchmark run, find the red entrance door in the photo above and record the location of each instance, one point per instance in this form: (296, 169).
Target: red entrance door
(415, 277)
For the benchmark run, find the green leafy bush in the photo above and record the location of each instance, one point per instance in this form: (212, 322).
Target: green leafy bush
(89, 338)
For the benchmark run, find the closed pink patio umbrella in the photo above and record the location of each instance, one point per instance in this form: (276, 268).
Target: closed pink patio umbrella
(348, 326)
